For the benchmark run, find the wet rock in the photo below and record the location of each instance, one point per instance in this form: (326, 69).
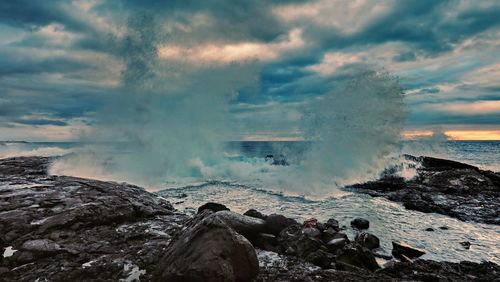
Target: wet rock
(310, 223)
(255, 213)
(360, 223)
(442, 186)
(267, 242)
(465, 244)
(311, 231)
(381, 253)
(208, 250)
(444, 227)
(246, 225)
(41, 245)
(337, 244)
(320, 258)
(275, 223)
(356, 255)
(429, 229)
(293, 241)
(402, 250)
(368, 240)
(333, 223)
(215, 207)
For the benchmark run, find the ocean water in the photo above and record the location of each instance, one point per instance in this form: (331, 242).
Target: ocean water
(250, 181)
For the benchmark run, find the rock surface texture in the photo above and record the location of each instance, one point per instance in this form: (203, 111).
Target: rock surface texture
(60, 228)
(442, 186)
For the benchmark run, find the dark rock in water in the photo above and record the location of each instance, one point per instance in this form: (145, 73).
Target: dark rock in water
(277, 160)
(402, 250)
(277, 222)
(293, 241)
(444, 227)
(442, 186)
(356, 255)
(368, 240)
(215, 207)
(360, 223)
(255, 213)
(333, 223)
(429, 229)
(208, 250)
(465, 244)
(245, 225)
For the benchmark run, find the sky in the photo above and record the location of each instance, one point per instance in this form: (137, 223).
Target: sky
(61, 61)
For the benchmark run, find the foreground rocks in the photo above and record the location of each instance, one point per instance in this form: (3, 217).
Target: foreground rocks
(442, 186)
(59, 228)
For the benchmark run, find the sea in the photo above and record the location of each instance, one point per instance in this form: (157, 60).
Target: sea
(390, 221)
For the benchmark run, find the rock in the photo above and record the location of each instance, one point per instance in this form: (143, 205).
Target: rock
(442, 186)
(402, 250)
(444, 227)
(275, 223)
(320, 258)
(360, 223)
(267, 242)
(465, 244)
(381, 253)
(429, 229)
(328, 234)
(336, 244)
(294, 241)
(255, 213)
(215, 207)
(41, 245)
(310, 223)
(368, 240)
(245, 225)
(332, 223)
(208, 250)
(311, 231)
(356, 255)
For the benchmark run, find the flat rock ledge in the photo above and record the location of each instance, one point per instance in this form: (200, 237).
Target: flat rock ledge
(441, 186)
(60, 228)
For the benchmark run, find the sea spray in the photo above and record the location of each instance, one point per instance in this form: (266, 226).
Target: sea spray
(169, 117)
(355, 130)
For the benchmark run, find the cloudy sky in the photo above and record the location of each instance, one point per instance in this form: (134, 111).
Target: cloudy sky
(61, 61)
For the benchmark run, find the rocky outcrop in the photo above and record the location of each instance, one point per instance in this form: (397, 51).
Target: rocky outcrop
(59, 228)
(66, 228)
(442, 186)
(208, 250)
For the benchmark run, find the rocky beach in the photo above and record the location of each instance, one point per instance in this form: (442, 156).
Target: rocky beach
(62, 228)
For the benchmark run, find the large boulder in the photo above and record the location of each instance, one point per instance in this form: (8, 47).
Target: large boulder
(360, 223)
(245, 225)
(368, 240)
(275, 223)
(208, 250)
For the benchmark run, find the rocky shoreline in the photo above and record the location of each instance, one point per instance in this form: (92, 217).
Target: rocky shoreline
(60, 228)
(442, 186)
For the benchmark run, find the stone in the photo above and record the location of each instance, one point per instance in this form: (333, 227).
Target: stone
(465, 244)
(368, 240)
(215, 207)
(255, 213)
(360, 223)
(208, 250)
(311, 231)
(332, 223)
(246, 225)
(275, 223)
(267, 242)
(336, 244)
(356, 255)
(402, 250)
